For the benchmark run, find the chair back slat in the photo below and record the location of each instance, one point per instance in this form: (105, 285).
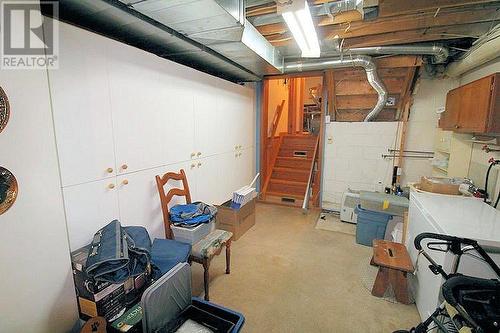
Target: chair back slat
(165, 198)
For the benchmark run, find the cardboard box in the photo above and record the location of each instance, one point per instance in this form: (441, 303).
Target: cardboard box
(439, 185)
(238, 221)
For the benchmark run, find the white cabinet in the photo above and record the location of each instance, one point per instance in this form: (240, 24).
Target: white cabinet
(81, 108)
(152, 111)
(123, 116)
(208, 178)
(209, 124)
(89, 207)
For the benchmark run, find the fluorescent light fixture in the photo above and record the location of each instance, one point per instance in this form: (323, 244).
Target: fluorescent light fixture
(299, 20)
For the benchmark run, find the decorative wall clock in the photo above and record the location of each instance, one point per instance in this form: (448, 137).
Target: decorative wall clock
(4, 109)
(8, 189)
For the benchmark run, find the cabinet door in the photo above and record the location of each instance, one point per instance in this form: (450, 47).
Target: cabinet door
(449, 118)
(89, 207)
(245, 117)
(209, 175)
(81, 107)
(153, 113)
(209, 126)
(140, 201)
(474, 106)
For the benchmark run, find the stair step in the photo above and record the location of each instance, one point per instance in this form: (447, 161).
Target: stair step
(287, 186)
(288, 182)
(284, 195)
(293, 162)
(290, 174)
(296, 152)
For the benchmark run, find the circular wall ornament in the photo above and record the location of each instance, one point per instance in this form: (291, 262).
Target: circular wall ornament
(8, 189)
(4, 109)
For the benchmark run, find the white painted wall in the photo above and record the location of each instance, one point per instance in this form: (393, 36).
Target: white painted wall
(428, 96)
(354, 160)
(36, 285)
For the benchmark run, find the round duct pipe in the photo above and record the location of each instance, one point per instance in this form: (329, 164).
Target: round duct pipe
(356, 61)
(475, 57)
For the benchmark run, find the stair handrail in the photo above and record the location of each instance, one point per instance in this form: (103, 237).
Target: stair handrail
(307, 195)
(276, 119)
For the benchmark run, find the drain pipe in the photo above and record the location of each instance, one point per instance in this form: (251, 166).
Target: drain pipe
(356, 61)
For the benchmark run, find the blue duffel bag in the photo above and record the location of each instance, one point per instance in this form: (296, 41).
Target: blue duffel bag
(191, 215)
(117, 253)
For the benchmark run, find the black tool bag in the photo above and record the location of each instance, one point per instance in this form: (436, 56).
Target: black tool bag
(117, 253)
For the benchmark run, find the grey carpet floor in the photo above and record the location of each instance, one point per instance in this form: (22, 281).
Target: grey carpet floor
(287, 276)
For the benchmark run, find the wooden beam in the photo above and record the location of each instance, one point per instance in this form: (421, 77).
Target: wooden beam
(409, 22)
(270, 8)
(398, 7)
(323, 20)
(360, 74)
(331, 96)
(363, 87)
(399, 61)
(360, 115)
(421, 35)
(362, 102)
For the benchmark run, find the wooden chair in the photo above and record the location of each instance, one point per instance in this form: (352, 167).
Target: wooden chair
(206, 248)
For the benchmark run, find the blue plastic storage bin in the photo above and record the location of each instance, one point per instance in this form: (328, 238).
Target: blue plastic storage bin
(371, 225)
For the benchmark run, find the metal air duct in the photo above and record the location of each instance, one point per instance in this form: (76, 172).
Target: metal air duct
(439, 53)
(219, 25)
(356, 61)
(485, 49)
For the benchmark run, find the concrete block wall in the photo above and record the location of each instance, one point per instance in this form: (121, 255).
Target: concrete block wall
(353, 158)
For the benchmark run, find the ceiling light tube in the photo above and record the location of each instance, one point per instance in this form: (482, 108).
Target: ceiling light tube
(299, 20)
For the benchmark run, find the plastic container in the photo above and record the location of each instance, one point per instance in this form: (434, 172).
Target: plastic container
(192, 235)
(232, 316)
(384, 203)
(371, 225)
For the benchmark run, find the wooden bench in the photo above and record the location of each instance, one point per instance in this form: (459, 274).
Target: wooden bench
(394, 262)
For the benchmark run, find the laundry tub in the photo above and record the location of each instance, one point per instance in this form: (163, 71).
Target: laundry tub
(371, 225)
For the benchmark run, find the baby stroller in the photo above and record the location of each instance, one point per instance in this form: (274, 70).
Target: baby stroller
(471, 304)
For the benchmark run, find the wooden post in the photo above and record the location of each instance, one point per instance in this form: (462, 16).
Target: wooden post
(330, 96)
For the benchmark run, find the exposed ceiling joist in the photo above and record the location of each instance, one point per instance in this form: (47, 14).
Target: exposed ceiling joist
(421, 35)
(410, 22)
(398, 7)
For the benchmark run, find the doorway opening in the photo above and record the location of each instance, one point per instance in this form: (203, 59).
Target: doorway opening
(291, 139)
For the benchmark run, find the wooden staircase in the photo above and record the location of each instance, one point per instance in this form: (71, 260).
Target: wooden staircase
(291, 170)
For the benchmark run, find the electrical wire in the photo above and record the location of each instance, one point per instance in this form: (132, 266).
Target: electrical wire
(498, 198)
(486, 181)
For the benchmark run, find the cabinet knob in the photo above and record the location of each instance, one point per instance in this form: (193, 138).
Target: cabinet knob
(240, 146)
(199, 153)
(124, 167)
(457, 126)
(111, 186)
(192, 166)
(236, 147)
(125, 182)
(239, 154)
(236, 155)
(199, 164)
(109, 170)
(193, 155)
